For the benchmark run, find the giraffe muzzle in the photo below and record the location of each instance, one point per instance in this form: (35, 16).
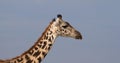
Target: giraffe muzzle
(78, 35)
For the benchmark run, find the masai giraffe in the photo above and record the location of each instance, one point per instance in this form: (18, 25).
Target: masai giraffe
(39, 50)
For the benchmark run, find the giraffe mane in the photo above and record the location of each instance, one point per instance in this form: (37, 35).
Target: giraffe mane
(35, 42)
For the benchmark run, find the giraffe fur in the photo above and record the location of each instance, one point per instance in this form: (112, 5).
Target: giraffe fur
(57, 27)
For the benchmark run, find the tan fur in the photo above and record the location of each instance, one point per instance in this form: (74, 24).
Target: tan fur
(2, 61)
(43, 45)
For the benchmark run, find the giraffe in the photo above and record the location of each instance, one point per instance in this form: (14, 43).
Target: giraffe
(57, 27)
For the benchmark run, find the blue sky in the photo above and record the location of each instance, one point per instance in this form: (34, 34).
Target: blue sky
(23, 21)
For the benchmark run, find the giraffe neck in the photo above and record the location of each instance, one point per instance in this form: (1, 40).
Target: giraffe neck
(40, 49)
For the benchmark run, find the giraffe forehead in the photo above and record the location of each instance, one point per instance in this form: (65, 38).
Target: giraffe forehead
(59, 21)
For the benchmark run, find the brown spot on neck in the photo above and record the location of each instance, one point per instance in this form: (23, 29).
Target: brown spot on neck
(39, 38)
(36, 43)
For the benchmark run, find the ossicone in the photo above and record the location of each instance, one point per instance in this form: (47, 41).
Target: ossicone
(59, 16)
(53, 19)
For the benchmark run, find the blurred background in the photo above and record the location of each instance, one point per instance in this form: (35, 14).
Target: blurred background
(23, 21)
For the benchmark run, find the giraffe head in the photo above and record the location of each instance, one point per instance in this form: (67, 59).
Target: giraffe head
(65, 29)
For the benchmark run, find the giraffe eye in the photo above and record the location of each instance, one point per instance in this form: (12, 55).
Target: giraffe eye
(65, 26)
